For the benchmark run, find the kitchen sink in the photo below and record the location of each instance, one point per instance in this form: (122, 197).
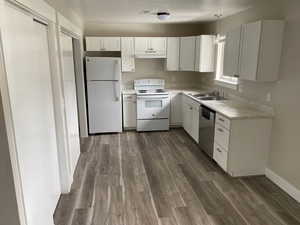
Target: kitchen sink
(208, 97)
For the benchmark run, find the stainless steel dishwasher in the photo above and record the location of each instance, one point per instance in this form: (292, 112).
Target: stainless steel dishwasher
(207, 130)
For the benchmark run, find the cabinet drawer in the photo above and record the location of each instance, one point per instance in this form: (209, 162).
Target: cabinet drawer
(222, 136)
(220, 156)
(129, 98)
(223, 121)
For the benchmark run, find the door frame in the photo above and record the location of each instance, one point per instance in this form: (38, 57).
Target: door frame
(42, 12)
(66, 27)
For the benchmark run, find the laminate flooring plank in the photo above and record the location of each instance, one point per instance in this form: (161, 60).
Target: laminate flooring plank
(102, 200)
(183, 217)
(163, 178)
(213, 200)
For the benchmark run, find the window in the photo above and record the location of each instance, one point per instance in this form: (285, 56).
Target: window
(221, 79)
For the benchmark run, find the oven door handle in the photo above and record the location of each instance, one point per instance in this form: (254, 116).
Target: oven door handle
(152, 97)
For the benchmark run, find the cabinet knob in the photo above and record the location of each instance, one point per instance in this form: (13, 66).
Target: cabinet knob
(219, 129)
(236, 75)
(221, 120)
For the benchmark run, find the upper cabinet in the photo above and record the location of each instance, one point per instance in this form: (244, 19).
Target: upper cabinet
(150, 47)
(205, 53)
(103, 44)
(127, 52)
(232, 53)
(187, 53)
(261, 46)
(173, 47)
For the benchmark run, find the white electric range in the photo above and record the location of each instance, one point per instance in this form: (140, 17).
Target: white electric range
(153, 105)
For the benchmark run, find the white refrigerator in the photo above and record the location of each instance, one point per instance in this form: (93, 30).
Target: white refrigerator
(103, 76)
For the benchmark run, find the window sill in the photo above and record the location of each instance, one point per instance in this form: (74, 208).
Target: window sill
(227, 84)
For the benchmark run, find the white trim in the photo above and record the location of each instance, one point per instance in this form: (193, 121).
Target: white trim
(10, 129)
(37, 7)
(284, 184)
(67, 25)
(60, 119)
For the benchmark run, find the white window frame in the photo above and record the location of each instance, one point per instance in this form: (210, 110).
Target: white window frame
(220, 78)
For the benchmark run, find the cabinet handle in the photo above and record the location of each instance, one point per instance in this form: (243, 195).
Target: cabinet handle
(236, 76)
(221, 120)
(191, 108)
(219, 150)
(219, 129)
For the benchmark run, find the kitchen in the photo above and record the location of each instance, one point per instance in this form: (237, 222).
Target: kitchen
(172, 120)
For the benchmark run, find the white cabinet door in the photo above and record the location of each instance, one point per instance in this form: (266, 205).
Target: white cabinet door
(173, 47)
(93, 44)
(195, 122)
(127, 51)
(250, 50)
(150, 47)
(187, 53)
(129, 111)
(187, 117)
(142, 44)
(25, 47)
(232, 53)
(176, 109)
(69, 90)
(110, 43)
(103, 44)
(205, 53)
(159, 45)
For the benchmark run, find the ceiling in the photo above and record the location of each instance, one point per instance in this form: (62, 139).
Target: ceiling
(132, 11)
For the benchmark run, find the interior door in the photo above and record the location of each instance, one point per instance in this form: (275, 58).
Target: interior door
(69, 90)
(25, 45)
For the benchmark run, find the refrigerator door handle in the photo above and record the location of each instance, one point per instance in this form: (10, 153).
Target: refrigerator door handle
(115, 89)
(116, 70)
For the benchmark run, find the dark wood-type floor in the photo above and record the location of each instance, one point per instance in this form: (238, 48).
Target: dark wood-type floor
(162, 178)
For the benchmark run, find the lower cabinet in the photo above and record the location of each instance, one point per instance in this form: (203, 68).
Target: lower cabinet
(190, 111)
(241, 146)
(176, 109)
(129, 111)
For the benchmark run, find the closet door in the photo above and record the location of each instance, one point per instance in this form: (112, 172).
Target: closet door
(69, 90)
(25, 45)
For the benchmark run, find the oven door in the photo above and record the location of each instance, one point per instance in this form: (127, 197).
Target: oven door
(153, 107)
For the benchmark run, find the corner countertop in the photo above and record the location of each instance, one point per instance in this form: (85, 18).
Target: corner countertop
(228, 108)
(234, 109)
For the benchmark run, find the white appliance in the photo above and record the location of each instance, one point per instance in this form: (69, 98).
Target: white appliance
(103, 76)
(153, 105)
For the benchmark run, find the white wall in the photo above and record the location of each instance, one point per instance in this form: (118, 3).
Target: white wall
(285, 153)
(154, 68)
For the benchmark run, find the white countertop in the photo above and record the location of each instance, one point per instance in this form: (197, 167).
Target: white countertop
(228, 108)
(234, 109)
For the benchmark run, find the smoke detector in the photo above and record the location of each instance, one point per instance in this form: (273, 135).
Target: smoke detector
(163, 15)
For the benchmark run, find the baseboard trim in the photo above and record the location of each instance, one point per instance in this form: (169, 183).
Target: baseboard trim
(284, 184)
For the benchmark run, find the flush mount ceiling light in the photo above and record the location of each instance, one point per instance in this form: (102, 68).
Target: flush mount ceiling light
(163, 15)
